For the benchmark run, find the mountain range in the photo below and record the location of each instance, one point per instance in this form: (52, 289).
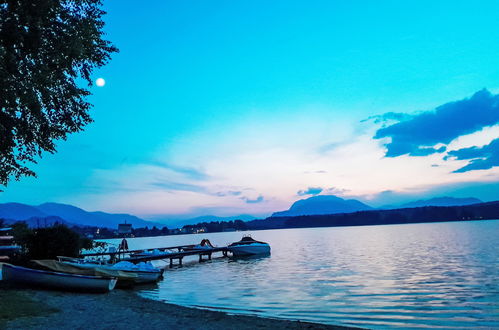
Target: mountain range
(438, 201)
(323, 204)
(204, 218)
(49, 213)
(68, 214)
(330, 204)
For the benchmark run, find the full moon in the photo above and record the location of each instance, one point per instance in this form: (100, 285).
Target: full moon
(100, 82)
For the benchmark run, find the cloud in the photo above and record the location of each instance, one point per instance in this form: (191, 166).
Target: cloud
(419, 135)
(310, 191)
(228, 193)
(179, 186)
(481, 158)
(188, 172)
(259, 199)
(336, 191)
(398, 116)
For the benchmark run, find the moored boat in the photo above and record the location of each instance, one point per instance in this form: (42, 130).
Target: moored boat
(124, 279)
(247, 246)
(142, 273)
(55, 280)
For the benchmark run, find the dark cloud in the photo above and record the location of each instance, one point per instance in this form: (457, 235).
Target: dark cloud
(259, 199)
(425, 151)
(481, 158)
(421, 132)
(310, 191)
(398, 116)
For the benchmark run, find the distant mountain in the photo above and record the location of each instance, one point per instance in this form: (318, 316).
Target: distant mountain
(35, 222)
(481, 211)
(70, 214)
(205, 218)
(18, 211)
(438, 201)
(323, 204)
(209, 218)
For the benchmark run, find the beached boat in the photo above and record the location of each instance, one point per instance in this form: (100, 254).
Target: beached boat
(6, 246)
(56, 280)
(247, 246)
(141, 273)
(125, 279)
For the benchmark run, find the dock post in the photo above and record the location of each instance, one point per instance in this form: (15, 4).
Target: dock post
(209, 256)
(180, 261)
(171, 262)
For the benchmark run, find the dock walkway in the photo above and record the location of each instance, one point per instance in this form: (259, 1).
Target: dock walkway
(164, 253)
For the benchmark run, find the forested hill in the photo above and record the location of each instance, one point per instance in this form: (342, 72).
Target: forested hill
(481, 211)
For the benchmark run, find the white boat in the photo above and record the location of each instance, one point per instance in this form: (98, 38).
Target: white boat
(47, 279)
(247, 246)
(145, 272)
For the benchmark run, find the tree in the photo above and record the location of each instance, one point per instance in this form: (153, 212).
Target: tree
(50, 242)
(47, 47)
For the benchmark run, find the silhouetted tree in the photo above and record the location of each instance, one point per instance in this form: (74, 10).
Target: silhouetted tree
(45, 47)
(50, 242)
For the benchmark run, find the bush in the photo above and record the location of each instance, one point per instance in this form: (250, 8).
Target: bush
(48, 243)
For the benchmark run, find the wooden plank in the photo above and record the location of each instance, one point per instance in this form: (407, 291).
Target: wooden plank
(179, 247)
(175, 255)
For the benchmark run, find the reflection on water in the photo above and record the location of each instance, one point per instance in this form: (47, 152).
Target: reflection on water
(440, 275)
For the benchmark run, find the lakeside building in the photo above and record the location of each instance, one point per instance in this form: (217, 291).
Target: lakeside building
(125, 228)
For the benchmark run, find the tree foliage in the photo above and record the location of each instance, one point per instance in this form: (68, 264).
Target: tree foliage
(48, 242)
(47, 49)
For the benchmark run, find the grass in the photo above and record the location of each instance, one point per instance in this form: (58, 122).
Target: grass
(16, 303)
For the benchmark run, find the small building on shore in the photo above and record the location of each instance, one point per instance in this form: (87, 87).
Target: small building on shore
(125, 228)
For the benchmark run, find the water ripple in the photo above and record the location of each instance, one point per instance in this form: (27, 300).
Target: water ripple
(440, 275)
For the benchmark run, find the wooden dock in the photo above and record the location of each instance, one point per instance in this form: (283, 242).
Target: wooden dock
(170, 253)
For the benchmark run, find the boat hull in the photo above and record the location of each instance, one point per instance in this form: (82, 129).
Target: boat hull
(141, 278)
(54, 280)
(249, 249)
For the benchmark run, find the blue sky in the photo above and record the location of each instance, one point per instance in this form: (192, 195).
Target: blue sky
(234, 107)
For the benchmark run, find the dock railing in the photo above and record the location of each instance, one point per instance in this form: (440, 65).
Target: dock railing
(170, 253)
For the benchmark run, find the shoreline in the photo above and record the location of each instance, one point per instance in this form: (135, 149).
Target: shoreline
(44, 309)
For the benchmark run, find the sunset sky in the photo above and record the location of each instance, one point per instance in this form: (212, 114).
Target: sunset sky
(243, 107)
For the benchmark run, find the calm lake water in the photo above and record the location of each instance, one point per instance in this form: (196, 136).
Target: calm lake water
(438, 275)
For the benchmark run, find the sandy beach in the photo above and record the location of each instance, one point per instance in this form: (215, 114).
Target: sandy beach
(119, 309)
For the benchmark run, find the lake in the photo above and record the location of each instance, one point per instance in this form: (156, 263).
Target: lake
(438, 275)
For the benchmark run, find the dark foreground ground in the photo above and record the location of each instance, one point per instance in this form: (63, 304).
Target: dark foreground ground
(33, 309)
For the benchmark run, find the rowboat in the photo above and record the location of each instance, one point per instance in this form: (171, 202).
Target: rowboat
(142, 273)
(124, 279)
(247, 246)
(55, 280)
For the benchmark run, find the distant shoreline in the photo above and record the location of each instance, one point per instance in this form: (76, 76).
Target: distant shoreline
(425, 214)
(122, 309)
